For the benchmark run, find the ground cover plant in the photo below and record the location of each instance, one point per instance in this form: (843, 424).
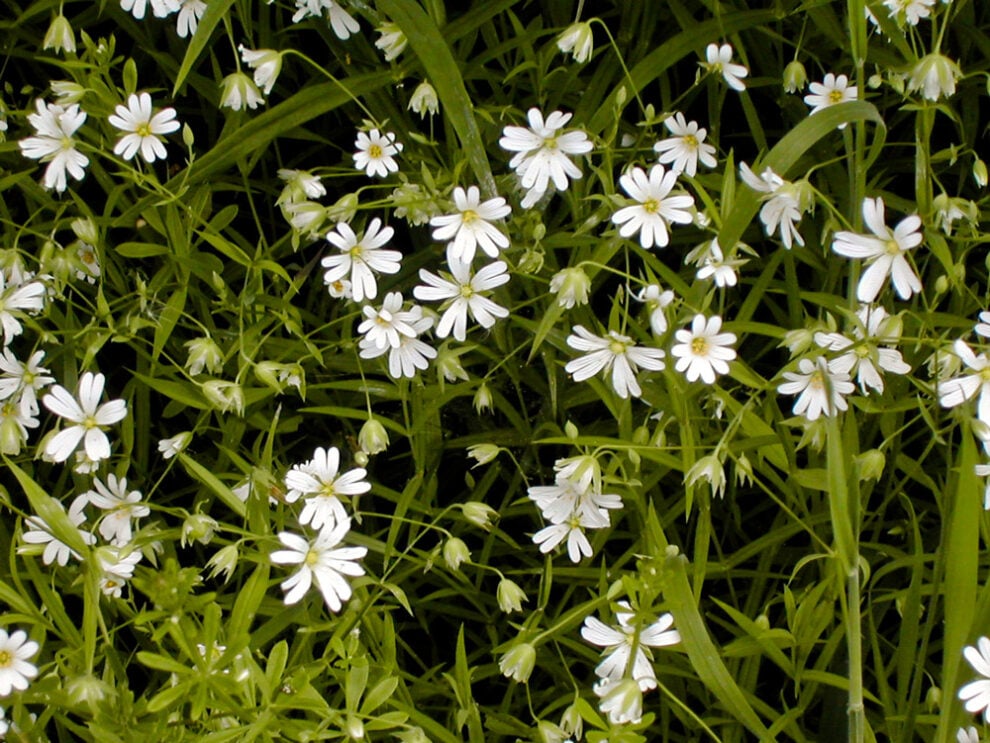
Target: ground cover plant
(493, 371)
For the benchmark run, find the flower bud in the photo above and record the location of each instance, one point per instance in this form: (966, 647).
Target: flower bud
(373, 438)
(449, 366)
(455, 552)
(238, 91)
(518, 662)
(67, 92)
(571, 285)
(579, 40)
(483, 453)
(204, 353)
(355, 728)
(480, 514)
(424, 100)
(86, 690)
(980, 173)
(171, 446)
(225, 396)
(224, 561)
(198, 527)
(871, 463)
(60, 36)
(483, 399)
(266, 63)
(622, 700)
(510, 596)
(935, 76)
(795, 77)
(392, 42)
(85, 230)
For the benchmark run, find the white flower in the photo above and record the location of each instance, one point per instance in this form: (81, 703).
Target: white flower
(320, 561)
(884, 251)
(656, 301)
(542, 153)
(471, 227)
(820, 390)
(116, 569)
(976, 694)
(123, 506)
(55, 550)
(861, 353)
(622, 700)
(714, 266)
(238, 91)
(830, 91)
(88, 416)
(341, 22)
(15, 421)
(24, 379)
(190, 11)
(571, 285)
(578, 545)
(383, 328)
(375, 153)
(686, 147)
(361, 258)
(53, 143)
(16, 669)
(783, 203)
(656, 209)
(463, 295)
(719, 62)
(266, 63)
(299, 186)
(614, 352)
(204, 353)
(320, 481)
(171, 446)
(983, 326)
(16, 300)
(702, 351)
(956, 391)
(412, 355)
(160, 8)
(143, 130)
(391, 41)
(60, 35)
(579, 40)
(967, 735)
(911, 11)
(620, 641)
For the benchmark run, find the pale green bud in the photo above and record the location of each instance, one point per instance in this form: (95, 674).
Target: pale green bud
(198, 527)
(224, 561)
(225, 396)
(933, 699)
(510, 596)
(373, 438)
(483, 453)
(483, 399)
(980, 173)
(424, 100)
(11, 437)
(795, 77)
(455, 552)
(344, 208)
(60, 35)
(935, 76)
(480, 514)
(204, 353)
(355, 728)
(571, 430)
(518, 662)
(579, 40)
(392, 42)
(571, 285)
(86, 690)
(188, 138)
(238, 91)
(85, 230)
(449, 366)
(762, 622)
(871, 463)
(530, 262)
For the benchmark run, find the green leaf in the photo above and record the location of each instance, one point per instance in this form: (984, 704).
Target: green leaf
(215, 11)
(211, 481)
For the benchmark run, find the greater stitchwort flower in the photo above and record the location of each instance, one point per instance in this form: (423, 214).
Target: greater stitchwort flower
(471, 227)
(703, 352)
(884, 250)
(829, 92)
(614, 352)
(686, 147)
(54, 144)
(143, 130)
(718, 61)
(324, 488)
(463, 295)
(376, 153)
(542, 153)
(360, 258)
(656, 208)
(16, 668)
(87, 416)
(820, 389)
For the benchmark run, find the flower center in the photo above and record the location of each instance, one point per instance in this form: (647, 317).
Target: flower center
(87, 257)
(468, 216)
(67, 143)
(891, 247)
(651, 206)
(817, 380)
(617, 347)
(312, 557)
(699, 346)
(144, 129)
(467, 291)
(550, 143)
(6, 658)
(691, 141)
(90, 422)
(835, 96)
(375, 152)
(985, 374)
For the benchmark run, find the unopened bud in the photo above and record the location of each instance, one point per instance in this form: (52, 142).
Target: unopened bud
(373, 438)
(455, 552)
(510, 596)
